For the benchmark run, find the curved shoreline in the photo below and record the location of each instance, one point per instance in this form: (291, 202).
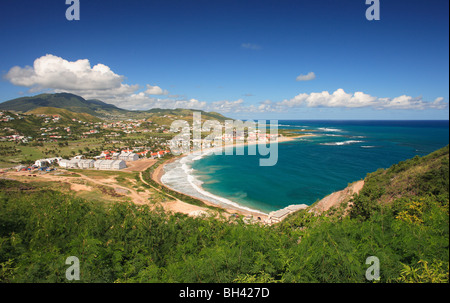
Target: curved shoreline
(229, 206)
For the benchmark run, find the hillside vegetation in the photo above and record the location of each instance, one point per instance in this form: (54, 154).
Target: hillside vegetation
(400, 216)
(64, 114)
(417, 178)
(67, 101)
(72, 103)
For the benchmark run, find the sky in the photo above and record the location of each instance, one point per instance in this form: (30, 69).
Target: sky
(280, 59)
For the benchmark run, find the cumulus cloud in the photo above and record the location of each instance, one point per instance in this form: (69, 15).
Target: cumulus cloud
(79, 77)
(155, 90)
(50, 71)
(56, 74)
(226, 106)
(325, 99)
(341, 99)
(308, 77)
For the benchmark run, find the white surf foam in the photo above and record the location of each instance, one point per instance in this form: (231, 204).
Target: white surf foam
(328, 129)
(179, 176)
(342, 142)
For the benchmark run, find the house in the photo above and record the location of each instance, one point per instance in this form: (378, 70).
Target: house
(144, 153)
(104, 154)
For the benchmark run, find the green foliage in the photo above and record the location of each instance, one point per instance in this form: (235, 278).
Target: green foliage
(419, 177)
(436, 272)
(124, 242)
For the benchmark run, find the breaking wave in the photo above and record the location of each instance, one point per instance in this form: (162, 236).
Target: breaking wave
(342, 142)
(327, 129)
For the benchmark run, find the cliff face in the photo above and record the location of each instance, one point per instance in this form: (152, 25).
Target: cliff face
(337, 198)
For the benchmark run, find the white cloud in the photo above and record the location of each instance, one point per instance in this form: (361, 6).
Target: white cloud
(251, 46)
(53, 72)
(310, 76)
(56, 74)
(226, 106)
(341, 99)
(142, 101)
(78, 77)
(438, 103)
(155, 90)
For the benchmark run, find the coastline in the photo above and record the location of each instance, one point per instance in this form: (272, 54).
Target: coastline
(159, 172)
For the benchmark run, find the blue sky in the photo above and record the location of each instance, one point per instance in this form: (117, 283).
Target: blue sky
(240, 58)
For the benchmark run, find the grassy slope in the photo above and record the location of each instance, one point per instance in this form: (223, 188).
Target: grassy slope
(70, 102)
(419, 177)
(64, 114)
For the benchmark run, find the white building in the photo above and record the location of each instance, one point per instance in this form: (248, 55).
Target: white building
(119, 164)
(64, 163)
(41, 162)
(86, 164)
(128, 157)
(46, 162)
(110, 164)
(281, 214)
(73, 163)
(99, 164)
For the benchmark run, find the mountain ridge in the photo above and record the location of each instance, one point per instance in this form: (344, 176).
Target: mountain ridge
(94, 107)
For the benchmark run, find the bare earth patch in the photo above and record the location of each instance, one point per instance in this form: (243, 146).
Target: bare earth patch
(140, 165)
(80, 187)
(336, 198)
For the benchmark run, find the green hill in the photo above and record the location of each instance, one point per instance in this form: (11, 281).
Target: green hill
(99, 108)
(417, 178)
(67, 101)
(64, 114)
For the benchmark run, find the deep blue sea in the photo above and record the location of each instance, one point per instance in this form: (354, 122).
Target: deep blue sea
(309, 168)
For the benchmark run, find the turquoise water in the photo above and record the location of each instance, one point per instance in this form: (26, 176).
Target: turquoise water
(308, 169)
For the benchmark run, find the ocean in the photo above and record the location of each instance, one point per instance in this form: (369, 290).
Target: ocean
(308, 169)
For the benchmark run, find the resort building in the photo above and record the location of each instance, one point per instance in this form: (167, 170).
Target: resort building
(127, 156)
(118, 164)
(73, 163)
(99, 164)
(86, 164)
(110, 164)
(64, 163)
